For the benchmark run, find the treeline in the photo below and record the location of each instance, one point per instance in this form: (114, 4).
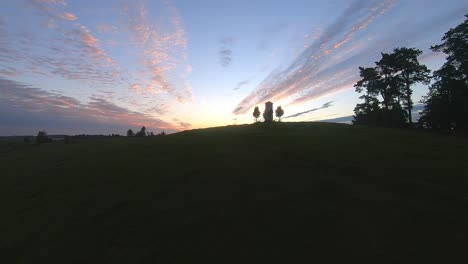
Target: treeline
(387, 87)
(43, 137)
(143, 133)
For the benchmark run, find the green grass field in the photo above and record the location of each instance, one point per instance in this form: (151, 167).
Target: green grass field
(280, 193)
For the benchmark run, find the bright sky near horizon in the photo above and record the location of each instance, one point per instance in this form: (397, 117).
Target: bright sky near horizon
(76, 67)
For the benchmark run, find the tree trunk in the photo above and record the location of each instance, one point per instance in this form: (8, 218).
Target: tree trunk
(408, 101)
(410, 118)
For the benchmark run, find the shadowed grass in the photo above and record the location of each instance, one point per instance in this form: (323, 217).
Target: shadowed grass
(279, 193)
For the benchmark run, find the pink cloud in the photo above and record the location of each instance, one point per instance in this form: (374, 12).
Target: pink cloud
(163, 50)
(136, 86)
(75, 52)
(93, 46)
(69, 16)
(99, 111)
(317, 69)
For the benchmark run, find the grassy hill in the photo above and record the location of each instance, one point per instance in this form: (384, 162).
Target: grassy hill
(280, 193)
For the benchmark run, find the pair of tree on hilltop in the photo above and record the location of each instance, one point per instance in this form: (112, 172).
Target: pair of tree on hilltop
(279, 112)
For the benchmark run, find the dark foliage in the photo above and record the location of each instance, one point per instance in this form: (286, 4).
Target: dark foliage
(387, 87)
(256, 113)
(42, 137)
(279, 113)
(142, 132)
(447, 102)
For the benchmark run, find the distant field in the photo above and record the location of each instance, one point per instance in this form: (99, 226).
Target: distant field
(280, 193)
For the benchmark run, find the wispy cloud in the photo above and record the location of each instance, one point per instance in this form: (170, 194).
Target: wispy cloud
(329, 64)
(240, 84)
(56, 43)
(341, 120)
(225, 57)
(325, 105)
(69, 49)
(181, 124)
(57, 111)
(93, 46)
(9, 72)
(69, 16)
(163, 51)
(317, 62)
(225, 51)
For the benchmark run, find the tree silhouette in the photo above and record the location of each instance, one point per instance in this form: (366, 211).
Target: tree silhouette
(142, 132)
(391, 80)
(256, 113)
(379, 82)
(130, 133)
(446, 104)
(389, 84)
(42, 137)
(410, 72)
(279, 113)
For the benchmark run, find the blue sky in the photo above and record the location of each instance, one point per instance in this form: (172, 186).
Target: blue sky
(106, 66)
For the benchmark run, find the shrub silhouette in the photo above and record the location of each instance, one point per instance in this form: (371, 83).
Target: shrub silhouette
(142, 132)
(279, 113)
(256, 113)
(42, 137)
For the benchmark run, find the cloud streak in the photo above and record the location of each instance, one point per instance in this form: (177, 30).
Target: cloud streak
(225, 52)
(55, 111)
(69, 16)
(240, 84)
(309, 75)
(68, 49)
(163, 51)
(57, 44)
(324, 106)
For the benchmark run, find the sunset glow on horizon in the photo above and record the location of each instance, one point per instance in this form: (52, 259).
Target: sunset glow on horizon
(73, 67)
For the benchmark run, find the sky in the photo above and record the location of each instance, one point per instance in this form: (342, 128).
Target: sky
(101, 67)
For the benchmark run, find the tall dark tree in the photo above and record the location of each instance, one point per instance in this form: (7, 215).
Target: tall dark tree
(379, 82)
(256, 113)
(388, 84)
(447, 101)
(409, 72)
(130, 133)
(390, 80)
(279, 112)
